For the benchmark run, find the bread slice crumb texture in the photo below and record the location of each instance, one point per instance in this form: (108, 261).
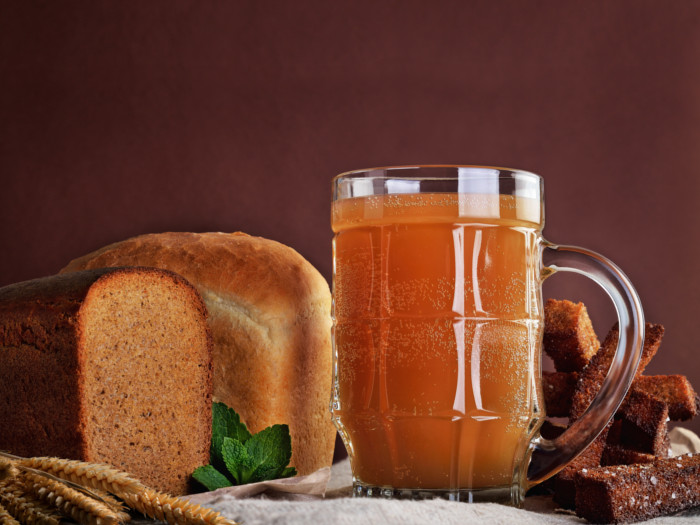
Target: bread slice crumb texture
(147, 400)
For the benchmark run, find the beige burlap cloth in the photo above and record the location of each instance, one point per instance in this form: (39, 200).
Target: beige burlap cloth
(300, 501)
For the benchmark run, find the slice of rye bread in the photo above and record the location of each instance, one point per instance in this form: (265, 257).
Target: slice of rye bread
(110, 366)
(630, 493)
(590, 381)
(569, 338)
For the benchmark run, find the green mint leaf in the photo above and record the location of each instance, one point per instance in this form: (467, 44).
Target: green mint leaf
(237, 456)
(237, 460)
(211, 478)
(226, 423)
(270, 451)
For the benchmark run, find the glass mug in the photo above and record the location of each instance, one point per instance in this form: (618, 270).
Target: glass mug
(437, 332)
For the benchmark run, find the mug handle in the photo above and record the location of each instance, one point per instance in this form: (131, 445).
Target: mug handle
(547, 457)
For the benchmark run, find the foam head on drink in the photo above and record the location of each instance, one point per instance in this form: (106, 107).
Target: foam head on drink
(437, 334)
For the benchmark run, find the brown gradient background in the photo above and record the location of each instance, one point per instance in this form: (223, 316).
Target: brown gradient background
(121, 118)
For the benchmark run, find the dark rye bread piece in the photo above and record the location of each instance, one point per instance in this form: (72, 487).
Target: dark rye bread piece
(589, 383)
(558, 389)
(569, 338)
(619, 455)
(564, 487)
(644, 425)
(674, 390)
(630, 493)
(591, 379)
(109, 366)
(548, 430)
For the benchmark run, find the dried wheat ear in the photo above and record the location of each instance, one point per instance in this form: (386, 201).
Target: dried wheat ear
(7, 468)
(43, 491)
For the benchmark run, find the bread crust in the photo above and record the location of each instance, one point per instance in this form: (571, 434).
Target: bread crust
(269, 311)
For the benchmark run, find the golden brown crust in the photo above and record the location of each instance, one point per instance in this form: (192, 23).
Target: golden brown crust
(270, 317)
(263, 275)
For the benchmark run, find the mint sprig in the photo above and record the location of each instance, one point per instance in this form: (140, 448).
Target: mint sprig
(239, 457)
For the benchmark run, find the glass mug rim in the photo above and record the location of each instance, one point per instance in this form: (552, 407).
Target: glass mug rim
(437, 178)
(425, 169)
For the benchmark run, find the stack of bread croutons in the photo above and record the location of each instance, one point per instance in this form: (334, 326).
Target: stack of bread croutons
(627, 473)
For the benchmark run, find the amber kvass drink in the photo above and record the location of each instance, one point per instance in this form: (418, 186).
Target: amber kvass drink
(437, 332)
(437, 323)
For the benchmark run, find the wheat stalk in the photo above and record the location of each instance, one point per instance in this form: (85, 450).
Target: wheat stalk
(90, 475)
(7, 468)
(69, 510)
(84, 509)
(24, 508)
(96, 494)
(6, 518)
(173, 510)
(109, 500)
(99, 477)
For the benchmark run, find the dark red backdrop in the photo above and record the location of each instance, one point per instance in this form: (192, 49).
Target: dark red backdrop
(119, 118)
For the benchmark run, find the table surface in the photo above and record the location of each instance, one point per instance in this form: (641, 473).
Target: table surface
(339, 508)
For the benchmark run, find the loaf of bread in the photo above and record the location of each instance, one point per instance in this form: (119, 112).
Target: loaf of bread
(110, 366)
(269, 311)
